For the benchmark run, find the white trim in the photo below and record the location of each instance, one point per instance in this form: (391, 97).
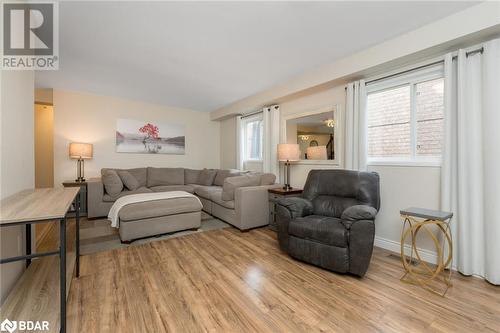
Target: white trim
(243, 129)
(412, 79)
(409, 163)
(393, 246)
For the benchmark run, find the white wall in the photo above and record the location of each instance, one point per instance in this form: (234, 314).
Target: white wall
(16, 161)
(92, 118)
(228, 143)
(402, 187)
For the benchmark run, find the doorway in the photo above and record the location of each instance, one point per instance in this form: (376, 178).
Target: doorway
(44, 158)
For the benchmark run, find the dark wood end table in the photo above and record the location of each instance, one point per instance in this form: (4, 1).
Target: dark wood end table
(82, 194)
(274, 195)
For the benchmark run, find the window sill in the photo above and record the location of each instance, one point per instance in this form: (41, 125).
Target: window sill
(402, 163)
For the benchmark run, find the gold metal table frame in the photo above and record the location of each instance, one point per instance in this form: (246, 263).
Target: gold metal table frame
(418, 271)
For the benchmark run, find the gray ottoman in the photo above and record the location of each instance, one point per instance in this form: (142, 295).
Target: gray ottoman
(150, 218)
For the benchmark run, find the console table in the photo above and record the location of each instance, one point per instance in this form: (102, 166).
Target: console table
(417, 271)
(39, 206)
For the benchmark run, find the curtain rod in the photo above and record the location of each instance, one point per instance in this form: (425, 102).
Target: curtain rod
(251, 114)
(480, 50)
(404, 72)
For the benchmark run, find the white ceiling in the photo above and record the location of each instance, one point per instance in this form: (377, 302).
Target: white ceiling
(205, 55)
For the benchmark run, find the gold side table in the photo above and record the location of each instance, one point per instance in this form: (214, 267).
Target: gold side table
(417, 271)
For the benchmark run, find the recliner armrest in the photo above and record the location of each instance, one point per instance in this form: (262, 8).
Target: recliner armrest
(358, 213)
(296, 206)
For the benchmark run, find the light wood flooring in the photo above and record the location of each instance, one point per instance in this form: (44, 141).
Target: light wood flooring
(229, 281)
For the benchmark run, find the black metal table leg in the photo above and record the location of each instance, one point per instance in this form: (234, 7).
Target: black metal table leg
(28, 243)
(62, 273)
(77, 235)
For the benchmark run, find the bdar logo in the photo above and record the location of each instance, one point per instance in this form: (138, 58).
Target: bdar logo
(8, 326)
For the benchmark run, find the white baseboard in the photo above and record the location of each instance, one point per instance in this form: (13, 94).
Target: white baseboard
(393, 246)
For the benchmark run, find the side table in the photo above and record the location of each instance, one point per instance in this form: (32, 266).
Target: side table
(418, 271)
(274, 195)
(82, 194)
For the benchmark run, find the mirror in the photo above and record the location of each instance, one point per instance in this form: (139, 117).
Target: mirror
(317, 135)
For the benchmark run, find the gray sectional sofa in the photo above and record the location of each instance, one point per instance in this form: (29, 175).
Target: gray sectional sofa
(239, 198)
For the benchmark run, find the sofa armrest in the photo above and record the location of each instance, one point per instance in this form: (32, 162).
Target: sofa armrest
(95, 194)
(251, 205)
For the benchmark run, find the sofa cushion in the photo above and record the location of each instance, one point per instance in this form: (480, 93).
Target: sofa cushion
(321, 229)
(232, 183)
(169, 188)
(267, 179)
(157, 208)
(128, 180)
(111, 181)
(223, 174)
(206, 191)
(141, 174)
(207, 177)
(191, 176)
(217, 198)
(165, 176)
(110, 198)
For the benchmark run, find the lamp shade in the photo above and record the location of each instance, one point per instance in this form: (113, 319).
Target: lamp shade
(79, 150)
(288, 152)
(317, 153)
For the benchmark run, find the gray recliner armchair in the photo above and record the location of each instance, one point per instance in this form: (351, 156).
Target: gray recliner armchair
(332, 224)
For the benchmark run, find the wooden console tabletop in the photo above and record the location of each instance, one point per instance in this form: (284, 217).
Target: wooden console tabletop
(37, 205)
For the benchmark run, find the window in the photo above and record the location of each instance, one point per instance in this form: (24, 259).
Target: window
(405, 118)
(252, 138)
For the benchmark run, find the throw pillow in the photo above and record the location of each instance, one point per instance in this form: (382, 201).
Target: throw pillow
(207, 177)
(223, 174)
(112, 182)
(128, 180)
(232, 183)
(267, 179)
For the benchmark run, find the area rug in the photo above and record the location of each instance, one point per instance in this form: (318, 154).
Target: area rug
(98, 235)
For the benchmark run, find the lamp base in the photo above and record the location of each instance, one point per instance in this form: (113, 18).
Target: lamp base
(80, 180)
(287, 187)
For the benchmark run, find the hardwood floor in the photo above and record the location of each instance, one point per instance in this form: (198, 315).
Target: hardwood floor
(229, 281)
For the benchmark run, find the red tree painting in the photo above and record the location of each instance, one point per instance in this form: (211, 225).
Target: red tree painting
(150, 130)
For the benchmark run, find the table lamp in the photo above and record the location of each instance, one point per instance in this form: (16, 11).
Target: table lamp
(317, 153)
(80, 151)
(288, 152)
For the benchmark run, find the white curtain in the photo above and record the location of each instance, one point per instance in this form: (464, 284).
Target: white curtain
(271, 119)
(355, 149)
(470, 179)
(239, 144)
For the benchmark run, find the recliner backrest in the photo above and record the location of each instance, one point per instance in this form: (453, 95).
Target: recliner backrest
(332, 191)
